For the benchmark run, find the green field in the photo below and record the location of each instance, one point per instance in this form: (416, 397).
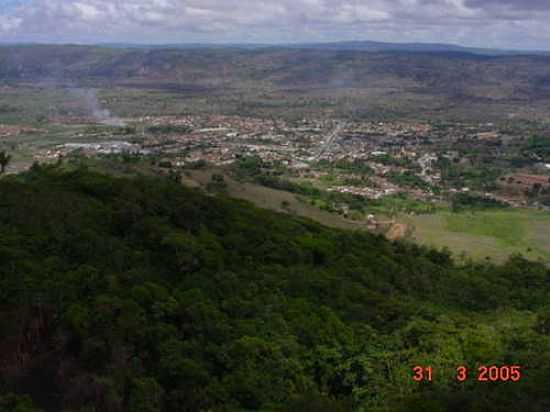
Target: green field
(494, 234)
(273, 199)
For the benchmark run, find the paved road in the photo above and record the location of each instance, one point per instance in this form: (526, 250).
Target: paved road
(330, 139)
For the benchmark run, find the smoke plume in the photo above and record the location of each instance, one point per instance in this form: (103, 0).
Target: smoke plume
(104, 116)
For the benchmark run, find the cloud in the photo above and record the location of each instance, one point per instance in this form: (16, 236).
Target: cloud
(492, 23)
(8, 23)
(537, 5)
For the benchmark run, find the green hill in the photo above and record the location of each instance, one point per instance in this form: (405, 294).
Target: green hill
(121, 294)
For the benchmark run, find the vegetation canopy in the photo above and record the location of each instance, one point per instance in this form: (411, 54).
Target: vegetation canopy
(137, 294)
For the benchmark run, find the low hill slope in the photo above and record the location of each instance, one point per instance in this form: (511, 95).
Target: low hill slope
(138, 294)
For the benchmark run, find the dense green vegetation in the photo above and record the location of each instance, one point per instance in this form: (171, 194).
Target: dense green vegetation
(137, 294)
(481, 176)
(110, 130)
(355, 166)
(169, 129)
(408, 179)
(463, 201)
(539, 145)
(5, 159)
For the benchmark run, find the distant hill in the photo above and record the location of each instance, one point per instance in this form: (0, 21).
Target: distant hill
(358, 45)
(374, 46)
(357, 64)
(437, 77)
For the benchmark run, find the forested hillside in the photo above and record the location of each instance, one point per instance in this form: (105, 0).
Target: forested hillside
(140, 295)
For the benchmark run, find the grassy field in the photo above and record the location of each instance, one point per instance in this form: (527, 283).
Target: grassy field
(278, 200)
(494, 234)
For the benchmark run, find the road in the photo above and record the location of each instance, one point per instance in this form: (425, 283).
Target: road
(330, 139)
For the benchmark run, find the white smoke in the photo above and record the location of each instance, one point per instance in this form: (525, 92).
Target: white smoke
(104, 116)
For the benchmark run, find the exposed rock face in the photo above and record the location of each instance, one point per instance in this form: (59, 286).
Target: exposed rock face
(397, 231)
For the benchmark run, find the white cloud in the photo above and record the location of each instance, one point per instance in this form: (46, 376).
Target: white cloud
(474, 22)
(9, 24)
(87, 12)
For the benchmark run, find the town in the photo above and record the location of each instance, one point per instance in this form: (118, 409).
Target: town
(427, 162)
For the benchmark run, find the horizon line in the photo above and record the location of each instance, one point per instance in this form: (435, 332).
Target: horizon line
(268, 44)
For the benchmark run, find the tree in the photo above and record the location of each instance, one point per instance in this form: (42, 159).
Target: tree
(217, 183)
(5, 159)
(145, 395)
(14, 403)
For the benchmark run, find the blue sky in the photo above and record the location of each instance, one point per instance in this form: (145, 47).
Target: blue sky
(8, 5)
(518, 24)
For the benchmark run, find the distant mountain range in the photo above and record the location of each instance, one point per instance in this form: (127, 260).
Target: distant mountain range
(375, 46)
(366, 46)
(362, 45)
(423, 72)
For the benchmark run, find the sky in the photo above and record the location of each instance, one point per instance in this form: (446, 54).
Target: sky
(509, 24)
